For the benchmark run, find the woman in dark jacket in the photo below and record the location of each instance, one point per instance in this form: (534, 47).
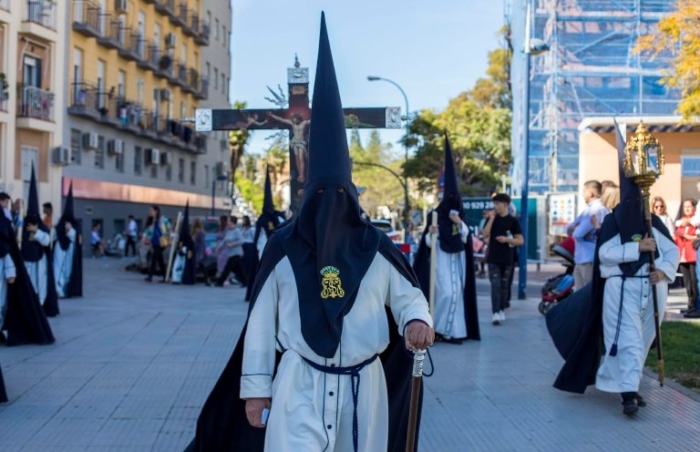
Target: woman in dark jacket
(200, 248)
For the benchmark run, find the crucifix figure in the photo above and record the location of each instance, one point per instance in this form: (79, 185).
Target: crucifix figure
(296, 118)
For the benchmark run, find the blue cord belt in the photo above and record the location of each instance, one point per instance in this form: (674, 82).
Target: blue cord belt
(354, 372)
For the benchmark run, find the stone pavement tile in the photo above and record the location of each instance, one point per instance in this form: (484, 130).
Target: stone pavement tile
(144, 407)
(128, 432)
(91, 405)
(66, 432)
(175, 435)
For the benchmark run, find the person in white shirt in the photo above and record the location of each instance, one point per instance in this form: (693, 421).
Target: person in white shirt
(583, 230)
(131, 233)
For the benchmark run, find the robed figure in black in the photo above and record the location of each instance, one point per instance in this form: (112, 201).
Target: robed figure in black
(608, 317)
(265, 226)
(68, 252)
(456, 316)
(36, 252)
(186, 252)
(332, 296)
(24, 318)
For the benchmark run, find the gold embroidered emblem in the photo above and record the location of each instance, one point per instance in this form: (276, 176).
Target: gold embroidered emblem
(455, 229)
(331, 283)
(637, 238)
(270, 226)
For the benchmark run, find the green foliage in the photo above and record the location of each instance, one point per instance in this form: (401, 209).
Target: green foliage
(681, 350)
(251, 192)
(381, 187)
(478, 123)
(237, 141)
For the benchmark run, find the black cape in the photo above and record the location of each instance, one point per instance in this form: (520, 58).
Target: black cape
(51, 302)
(421, 265)
(75, 282)
(25, 320)
(576, 324)
(266, 224)
(3, 394)
(223, 425)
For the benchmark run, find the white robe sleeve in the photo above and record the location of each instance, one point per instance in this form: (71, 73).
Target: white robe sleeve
(9, 270)
(669, 256)
(42, 237)
(406, 302)
(464, 232)
(71, 235)
(613, 252)
(259, 350)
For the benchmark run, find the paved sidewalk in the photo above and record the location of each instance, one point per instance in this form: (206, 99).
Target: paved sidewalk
(134, 362)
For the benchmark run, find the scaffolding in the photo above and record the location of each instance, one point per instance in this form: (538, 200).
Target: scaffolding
(589, 70)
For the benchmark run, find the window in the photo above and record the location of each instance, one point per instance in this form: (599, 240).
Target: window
(223, 83)
(169, 172)
(76, 146)
(208, 72)
(206, 176)
(181, 171)
(142, 33)
(154, 171)
(77, 65)
(156, 36)
(690, 166)
(139, 91)
(101, 82)
(183, 109)
(119, 162)
(121, 85)
(224, 38)
(100, 152)
(138, 160)
(31, 76)
(193, 173)
(183, 54)
(216, 78)
(209, 18)
(216, 29)
(228, 87)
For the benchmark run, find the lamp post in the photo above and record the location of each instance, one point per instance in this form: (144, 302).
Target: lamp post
(532, 47)
(374, 78)
(213, 191)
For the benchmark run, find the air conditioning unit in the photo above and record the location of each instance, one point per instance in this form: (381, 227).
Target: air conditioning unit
(165, 95)
(152, 156)
(170, 41)
(61, 156)
(115, 147)
(120, 6)
(165, 158)
(90, 141)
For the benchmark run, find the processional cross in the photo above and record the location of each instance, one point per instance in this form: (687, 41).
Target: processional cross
(296, 119)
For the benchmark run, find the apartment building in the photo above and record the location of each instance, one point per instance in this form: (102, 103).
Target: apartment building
(32, 46)
(134, 72)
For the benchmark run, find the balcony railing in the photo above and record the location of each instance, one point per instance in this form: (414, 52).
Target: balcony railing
(181, 74)
(86, 18)
(5, 4)
(183, 14)
(166, 7)
(191, 26)
(150, 61)
(193, 80)
(203, 91)
(84, 98)
(42, 12)
(131, 45)
(203, 32)
(111, 33)
(35, 102)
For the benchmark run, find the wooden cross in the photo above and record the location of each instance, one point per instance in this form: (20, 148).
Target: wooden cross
(296, 119)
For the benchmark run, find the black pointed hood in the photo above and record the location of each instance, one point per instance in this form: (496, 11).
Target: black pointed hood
(32, 251)
(450, 238)
(185, 228)
(329, 244)
(269, 218)
(67, 217)
(189, 272)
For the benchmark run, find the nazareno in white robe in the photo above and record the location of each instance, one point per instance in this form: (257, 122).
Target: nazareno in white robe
(7, 271)
(312, 410)
(63, 263)
(623, 372)
(449, 289)
(37, 271)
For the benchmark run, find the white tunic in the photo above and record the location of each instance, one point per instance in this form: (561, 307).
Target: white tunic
(37, 271)
(449, 289)
(7, 271)
(312, 410)
(623, 373)
(63, 264)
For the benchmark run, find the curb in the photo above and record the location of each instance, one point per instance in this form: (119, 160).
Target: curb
(673, 385)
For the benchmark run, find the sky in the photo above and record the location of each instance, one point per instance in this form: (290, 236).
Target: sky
(434, 49)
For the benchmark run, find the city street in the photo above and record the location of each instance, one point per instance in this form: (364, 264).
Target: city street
(133, 363)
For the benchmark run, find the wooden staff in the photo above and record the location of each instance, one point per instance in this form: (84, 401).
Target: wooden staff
(416, 383)
(655, 296)
(173, 244)
(433, 265)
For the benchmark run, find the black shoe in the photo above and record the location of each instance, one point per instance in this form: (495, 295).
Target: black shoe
(687, 310)
(452, 340)
(640, 401)
(3, 339)
(629, 404)
(695, 314)
(148, 279)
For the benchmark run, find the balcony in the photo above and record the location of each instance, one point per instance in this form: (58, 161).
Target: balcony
(150, 61)
(193, 79)
(149, 2)
(40, 19)
(111, 33)
(5, 4)
(86, 19)
(202, 37)
(180, 74)
(203, 90)
(33, 102)
(84, 101)
(165, 7)
(180, 16)
(132, 46)
(191, 26)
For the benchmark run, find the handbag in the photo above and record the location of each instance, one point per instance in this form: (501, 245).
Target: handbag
(696, 244)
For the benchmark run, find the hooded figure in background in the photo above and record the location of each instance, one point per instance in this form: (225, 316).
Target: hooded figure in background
(21, 313)
(613, 316)
(36, 253)
(68, 252)
(456, 314)
(185, 266)
(269, 220)
(332, 295)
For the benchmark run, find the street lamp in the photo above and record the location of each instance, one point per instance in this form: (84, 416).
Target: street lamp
(532, 47)
(220, 177)
(374, 78)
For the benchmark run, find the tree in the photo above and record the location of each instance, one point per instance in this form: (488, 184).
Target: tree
(677, 36)
(276, 157)
(237, 141)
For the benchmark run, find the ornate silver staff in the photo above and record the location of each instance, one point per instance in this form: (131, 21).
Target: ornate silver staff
(416, 383)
